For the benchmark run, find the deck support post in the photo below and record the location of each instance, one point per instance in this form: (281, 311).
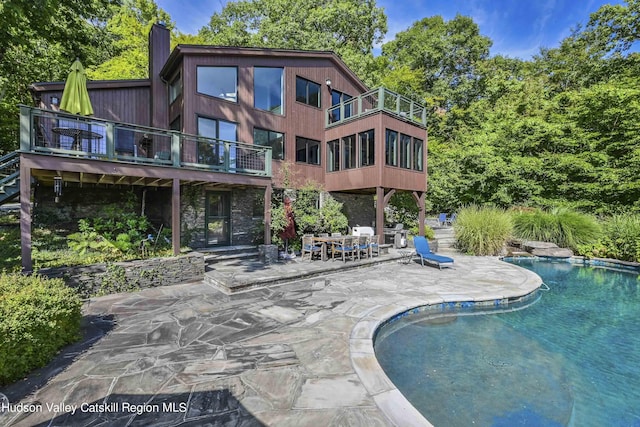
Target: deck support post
(419, 197)
(175, 216)
(268, 191)
(25, 218)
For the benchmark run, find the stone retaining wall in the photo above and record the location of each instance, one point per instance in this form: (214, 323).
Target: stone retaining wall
(102, 279)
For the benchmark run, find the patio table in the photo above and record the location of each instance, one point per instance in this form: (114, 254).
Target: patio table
(324, 241)
(77, 134)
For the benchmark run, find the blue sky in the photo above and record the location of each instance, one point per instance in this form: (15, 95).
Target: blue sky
(518, 28)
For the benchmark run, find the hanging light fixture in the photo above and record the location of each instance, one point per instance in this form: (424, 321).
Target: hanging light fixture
(57, 187)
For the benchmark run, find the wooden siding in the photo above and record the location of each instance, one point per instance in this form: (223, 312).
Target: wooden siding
(378, 175)
(126, 105)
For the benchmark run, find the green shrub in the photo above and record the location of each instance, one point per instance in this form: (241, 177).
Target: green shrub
(620, 240)
(482, 231)
(564, 227)
(38, 317)
(10, 249)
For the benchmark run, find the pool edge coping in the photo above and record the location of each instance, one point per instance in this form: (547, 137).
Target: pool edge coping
(389, 400)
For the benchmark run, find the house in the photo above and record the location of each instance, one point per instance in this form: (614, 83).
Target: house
(207, 138)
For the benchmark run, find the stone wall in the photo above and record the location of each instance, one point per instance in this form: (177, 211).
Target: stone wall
(103, 279)
(89, 201)
(359, 208)
(246, 229)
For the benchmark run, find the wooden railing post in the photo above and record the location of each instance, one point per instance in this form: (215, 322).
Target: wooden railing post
(26, 134)
(175, 149)
(111, 144)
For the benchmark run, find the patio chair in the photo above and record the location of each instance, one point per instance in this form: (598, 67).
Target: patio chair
(451, 219)
(442, 219)
(374, 245)
(308, 247)
(343, 248)
(423, 250)
(361, 244)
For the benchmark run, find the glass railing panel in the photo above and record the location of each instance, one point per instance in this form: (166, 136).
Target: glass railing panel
(141, 145)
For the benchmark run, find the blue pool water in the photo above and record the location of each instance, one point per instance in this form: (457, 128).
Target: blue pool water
(568, 358)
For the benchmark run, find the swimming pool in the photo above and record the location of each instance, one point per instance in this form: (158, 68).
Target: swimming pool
(568, 358)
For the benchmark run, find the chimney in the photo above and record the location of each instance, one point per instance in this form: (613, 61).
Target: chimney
(159, 50)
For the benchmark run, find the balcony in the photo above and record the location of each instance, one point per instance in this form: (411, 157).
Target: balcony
(60, 134)
(375, 101)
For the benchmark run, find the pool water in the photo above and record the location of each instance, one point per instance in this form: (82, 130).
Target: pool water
(569, 358)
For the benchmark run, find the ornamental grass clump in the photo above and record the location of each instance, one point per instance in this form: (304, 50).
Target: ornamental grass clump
(482, 230)
(38, 317)
(564, 227)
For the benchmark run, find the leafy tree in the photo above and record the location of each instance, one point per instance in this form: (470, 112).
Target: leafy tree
(39, 43)
(130, 26)
(347, 27)
(446, 52)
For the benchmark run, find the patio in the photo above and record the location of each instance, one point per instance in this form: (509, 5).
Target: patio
(289, 355)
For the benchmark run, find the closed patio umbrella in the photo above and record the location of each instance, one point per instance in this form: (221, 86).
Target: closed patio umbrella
(75, 98)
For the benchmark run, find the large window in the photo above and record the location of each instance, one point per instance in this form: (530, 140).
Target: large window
(175, 88)
(307, 151)
(405, 151)
(268, 89)
(333, 155)
(391, 148)
(221, 82)
(272, 139)
(307, 92)
(349, 150)
(212, 151)
(367, 148)
(336, 98)
(418, 154)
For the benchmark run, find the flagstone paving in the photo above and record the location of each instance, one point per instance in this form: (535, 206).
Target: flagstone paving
(298, 354)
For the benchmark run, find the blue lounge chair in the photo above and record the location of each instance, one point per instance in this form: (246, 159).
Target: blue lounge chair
(442, 219)
(423, 250)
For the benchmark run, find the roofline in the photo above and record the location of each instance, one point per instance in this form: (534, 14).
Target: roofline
(91, 84)
(186, 49)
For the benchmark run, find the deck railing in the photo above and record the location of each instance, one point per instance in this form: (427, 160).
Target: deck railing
(375, 101)
(57, 133)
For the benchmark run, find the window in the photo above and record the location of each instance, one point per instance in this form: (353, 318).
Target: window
(221, 82)
(333, 155)
(268, 89)
(175, 88)
(272, 139)
(307, 151)
(349, 150)
(391, 148)
(307, 92)
(336, 98)
(212, 151)
(405, 151)
(418, 154)
(367, 148)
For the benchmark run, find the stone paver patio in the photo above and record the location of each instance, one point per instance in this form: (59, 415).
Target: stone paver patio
(298, 354)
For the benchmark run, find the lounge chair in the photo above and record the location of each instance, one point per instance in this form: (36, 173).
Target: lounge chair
(423, 250)
(442, 219)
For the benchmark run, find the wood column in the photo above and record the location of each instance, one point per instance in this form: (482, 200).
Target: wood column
(380, 212)
(267, 214)
(419, 197)
(175, 216)
(25, 218)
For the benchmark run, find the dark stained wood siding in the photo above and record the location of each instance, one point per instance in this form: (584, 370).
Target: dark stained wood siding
(127, 105)
(378, 175)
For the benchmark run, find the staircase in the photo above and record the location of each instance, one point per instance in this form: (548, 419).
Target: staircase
(228, 255)
(446, 239)
(9, 177)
